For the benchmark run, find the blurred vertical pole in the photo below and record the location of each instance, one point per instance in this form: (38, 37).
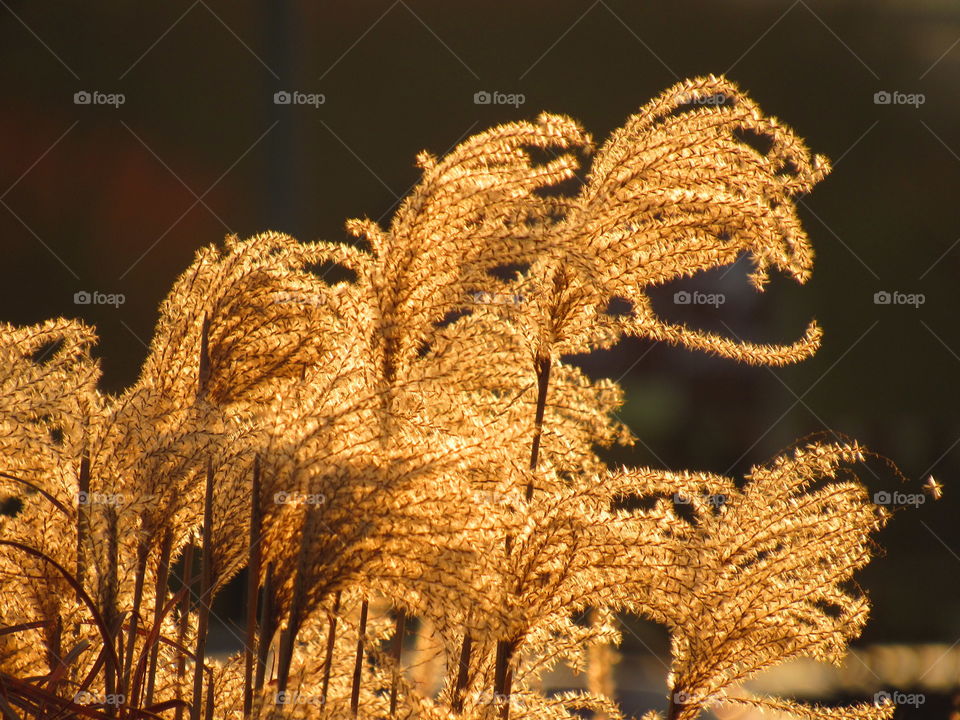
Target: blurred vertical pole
(282, 194)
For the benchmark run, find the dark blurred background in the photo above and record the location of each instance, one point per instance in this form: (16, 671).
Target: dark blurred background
(115, 197)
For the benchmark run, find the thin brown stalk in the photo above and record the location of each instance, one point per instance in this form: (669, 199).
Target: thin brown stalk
(397, 654)
(328, 658)
(184, 620)
(54, 641)
(140, 574)
(253, 586)
(40, 491)
(57, 676)
(151, 641)
(54, 636)
(25, 626)
(206, 580)
(503, 674)
(463, 674)
(266, 629)
(110, 613)
(285, 651)
(83, 519)
(358, 665)
(543, 381)
(209, 704)
(8, 712)
(294, 617)
(499, 669)
(673, 709)
(160, 594)
(507, 690)
(204, 370)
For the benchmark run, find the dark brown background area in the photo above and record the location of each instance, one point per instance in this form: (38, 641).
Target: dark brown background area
(118, 200)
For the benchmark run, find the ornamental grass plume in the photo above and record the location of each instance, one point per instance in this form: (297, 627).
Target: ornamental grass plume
(758, 572)
(413, 447)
